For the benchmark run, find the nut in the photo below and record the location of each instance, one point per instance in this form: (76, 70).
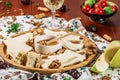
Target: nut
(60, 51)
(0, 29)
(57, 15)
(89, 44)
(55, 64)
(38, 16)
(107, 37)
(79, 18)
(40, 31)
(106, 78)
(43, 9)
(13, 18)
(43, 42)
(35, 33)
(38, 62)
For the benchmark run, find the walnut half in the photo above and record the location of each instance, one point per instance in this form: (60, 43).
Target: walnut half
(55, 64)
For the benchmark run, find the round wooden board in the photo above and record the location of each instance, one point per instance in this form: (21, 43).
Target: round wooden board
(40, 70)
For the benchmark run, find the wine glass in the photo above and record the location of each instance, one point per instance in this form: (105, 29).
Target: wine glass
(53, 5)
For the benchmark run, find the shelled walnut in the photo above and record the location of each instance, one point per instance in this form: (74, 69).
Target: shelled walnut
(55, 64)
(39, 62)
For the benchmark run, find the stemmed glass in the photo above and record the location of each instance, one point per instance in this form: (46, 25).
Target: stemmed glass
(53, 5)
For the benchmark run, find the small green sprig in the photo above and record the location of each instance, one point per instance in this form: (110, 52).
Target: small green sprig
(8, 4)
(13, 28)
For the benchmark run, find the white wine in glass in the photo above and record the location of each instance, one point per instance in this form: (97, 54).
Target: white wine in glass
(53, 5)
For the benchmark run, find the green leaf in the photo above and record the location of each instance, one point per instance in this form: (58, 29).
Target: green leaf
(8, 4)
(66, 78)
(108, 10)
(13, 28)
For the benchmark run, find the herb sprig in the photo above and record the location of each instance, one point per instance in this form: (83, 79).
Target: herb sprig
(13, 28)
(8, 4)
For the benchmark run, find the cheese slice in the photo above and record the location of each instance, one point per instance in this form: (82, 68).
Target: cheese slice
(31, 59)
(17, 45)
(71, 37)
(24, 38)
(72, 46)
(67, 58)
(45, 49)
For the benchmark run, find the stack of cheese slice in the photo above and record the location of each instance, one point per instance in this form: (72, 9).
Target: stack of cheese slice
(67, 58)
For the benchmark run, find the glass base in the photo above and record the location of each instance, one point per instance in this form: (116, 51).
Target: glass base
(99, 20)
(58, 23)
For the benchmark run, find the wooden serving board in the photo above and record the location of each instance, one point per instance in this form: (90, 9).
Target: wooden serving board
(40, 70)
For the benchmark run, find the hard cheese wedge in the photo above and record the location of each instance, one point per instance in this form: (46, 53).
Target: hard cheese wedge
(115, 62)
(111, 49)
(101, 64)
(111, 56)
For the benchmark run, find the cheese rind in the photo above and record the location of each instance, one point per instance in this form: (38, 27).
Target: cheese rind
(101, 64)
(115, 62)
(45, 49)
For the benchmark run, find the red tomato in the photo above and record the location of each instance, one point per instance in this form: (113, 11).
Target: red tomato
(97, 5)
(91, 11)
(113, 8)
(103, 4)
(102, 0)
(96, 11)
(86, 8)
(99, 11)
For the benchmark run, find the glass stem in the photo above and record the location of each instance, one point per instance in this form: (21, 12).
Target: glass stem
(53, 17)
(53, 14)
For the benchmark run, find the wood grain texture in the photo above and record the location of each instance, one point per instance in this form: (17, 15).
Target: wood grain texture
(112, 27)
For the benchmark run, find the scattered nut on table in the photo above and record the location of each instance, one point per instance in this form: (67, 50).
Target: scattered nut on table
(57, 15)
(79, 18)
(38, 16)
(107, 37)
(43, 9)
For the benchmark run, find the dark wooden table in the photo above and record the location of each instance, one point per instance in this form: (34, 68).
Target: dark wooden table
(112, 27)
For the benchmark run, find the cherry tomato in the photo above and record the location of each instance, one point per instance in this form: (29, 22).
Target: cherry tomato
(113, 8)
(86, 8)
(97, 5)
(91, 11)
(99, 11)
(102, 0)
(103, 4)
(96, 11)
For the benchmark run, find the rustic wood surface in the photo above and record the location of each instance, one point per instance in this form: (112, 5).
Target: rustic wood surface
(112, 27)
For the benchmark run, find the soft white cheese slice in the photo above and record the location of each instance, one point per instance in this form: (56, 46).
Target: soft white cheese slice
(50, 32)
(45, 49)
(17, 45)
(72, 46)
(71, 37)
(24, 38)
(67, 58)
